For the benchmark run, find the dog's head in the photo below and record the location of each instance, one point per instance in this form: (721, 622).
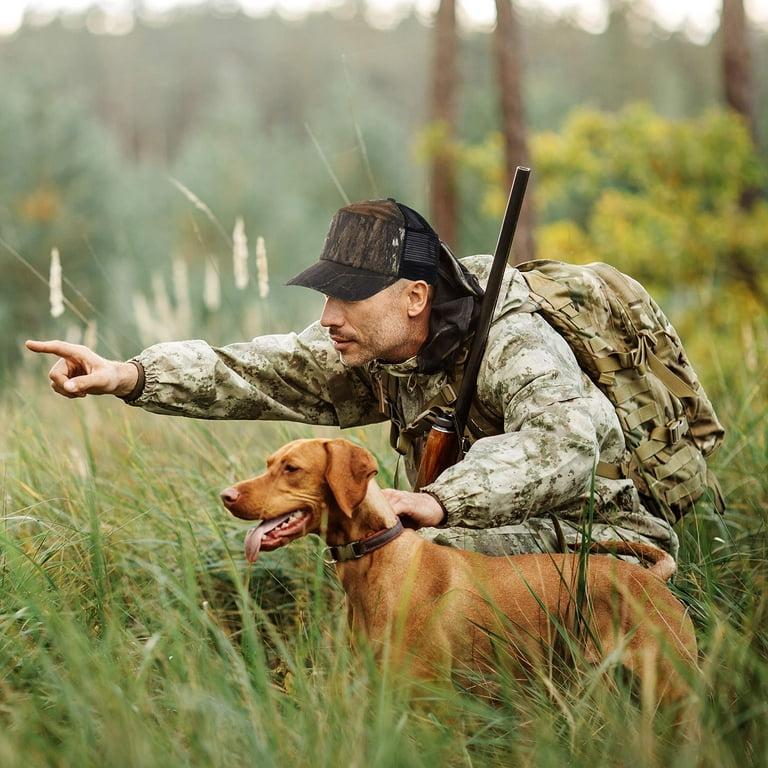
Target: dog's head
(306, 482)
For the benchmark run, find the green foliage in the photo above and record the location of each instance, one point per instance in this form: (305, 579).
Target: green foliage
(658, 198)
(661, 200)
(648, 192)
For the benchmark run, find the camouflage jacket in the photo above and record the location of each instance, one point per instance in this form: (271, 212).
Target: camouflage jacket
(556, 423)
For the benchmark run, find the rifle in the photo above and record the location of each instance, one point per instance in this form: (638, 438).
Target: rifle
(443, 447)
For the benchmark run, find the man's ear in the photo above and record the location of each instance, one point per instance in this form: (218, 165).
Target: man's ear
(348, 471)
(419, 295)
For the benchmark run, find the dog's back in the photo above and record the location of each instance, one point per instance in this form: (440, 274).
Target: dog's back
(464, 609)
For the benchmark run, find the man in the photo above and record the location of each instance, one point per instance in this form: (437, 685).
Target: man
(390, 344)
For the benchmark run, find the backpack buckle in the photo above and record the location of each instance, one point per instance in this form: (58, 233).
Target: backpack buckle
(677, 429)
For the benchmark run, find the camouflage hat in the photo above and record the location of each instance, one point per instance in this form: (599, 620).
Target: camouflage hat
(369, 246)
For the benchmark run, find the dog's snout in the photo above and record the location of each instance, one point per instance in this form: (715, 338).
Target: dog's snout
(230, 496)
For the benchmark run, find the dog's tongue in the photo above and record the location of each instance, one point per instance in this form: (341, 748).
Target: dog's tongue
(255, 535)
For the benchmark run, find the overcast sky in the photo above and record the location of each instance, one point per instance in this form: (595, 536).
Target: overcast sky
(698, 17)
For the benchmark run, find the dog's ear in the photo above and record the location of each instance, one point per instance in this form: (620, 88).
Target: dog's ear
(348, 470)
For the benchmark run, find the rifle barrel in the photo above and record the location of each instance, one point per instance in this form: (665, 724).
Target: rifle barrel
(443, 445)
(492, 289)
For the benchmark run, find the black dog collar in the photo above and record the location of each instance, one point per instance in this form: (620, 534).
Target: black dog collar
(354, 550)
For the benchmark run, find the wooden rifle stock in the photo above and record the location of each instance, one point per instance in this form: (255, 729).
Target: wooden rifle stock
(440, 451)
(443, 446)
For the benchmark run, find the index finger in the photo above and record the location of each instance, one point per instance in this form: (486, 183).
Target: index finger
(54, 347)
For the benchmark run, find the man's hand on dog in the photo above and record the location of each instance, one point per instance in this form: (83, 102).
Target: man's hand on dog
(420, 509)
(79, 371)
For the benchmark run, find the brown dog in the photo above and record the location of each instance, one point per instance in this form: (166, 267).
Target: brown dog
(440, 609)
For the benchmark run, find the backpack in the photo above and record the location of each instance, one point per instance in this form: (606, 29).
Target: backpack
(627, 346)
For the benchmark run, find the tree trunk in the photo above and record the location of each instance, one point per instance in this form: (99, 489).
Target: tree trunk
(443, 192)
(509, 75)
(738, 92)
(737, 75)
(737, 64)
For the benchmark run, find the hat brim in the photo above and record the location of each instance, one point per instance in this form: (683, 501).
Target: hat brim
(340, 281)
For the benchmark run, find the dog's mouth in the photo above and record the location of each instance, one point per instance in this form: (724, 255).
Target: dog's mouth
(274, 533)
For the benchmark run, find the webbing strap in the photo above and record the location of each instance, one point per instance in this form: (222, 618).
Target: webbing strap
(628, 390)
(609, 471)
(680, 458)
(649, 411)
(597, 345)
(619, 361)
(690, 487)
(647, 449)
(671, 381)
(616, 361)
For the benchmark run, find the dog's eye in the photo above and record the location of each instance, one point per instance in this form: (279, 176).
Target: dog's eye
(289, 469)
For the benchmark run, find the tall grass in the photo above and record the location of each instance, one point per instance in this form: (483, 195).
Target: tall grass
(132, 632)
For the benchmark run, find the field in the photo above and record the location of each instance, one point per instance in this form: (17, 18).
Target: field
(133, 633)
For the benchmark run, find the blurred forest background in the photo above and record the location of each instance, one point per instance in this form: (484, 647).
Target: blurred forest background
(146, 158)
(150, 157)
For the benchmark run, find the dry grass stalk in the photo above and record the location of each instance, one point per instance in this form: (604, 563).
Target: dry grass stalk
(56, 294)
(90, 334)
(199, 204)
(183, 315)
(163, 308)
(262, 267)
(211, 287)
(750, 347)
(240, 254)
(143, 315)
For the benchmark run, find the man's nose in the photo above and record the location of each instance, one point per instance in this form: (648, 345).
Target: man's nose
(332, 313)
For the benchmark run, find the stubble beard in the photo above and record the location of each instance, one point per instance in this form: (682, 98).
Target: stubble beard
(353, 363)
(365, 353)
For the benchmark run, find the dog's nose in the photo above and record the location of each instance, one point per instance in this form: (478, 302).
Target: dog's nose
(230, 496)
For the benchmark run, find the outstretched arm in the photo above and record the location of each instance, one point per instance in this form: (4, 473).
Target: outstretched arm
(79, 371)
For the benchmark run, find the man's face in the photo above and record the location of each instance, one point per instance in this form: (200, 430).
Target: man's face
(378, 328)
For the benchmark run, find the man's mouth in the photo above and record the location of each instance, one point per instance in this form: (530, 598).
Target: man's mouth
(340, 342)
(274, 533)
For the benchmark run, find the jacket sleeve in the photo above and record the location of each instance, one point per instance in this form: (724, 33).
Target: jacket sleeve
(556, 424)
(289, 377)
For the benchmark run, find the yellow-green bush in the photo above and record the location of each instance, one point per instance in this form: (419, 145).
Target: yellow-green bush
(662, 200)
